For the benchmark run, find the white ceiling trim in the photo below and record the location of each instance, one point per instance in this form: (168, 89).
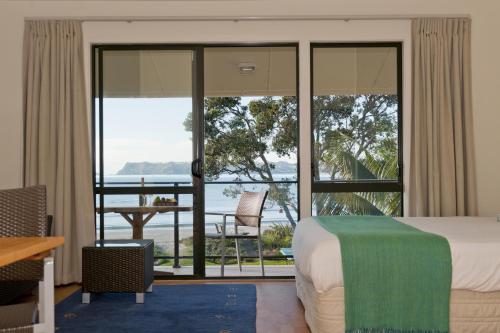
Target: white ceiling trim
(242, 18)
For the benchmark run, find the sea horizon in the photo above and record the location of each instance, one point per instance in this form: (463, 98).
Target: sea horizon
(215, 201)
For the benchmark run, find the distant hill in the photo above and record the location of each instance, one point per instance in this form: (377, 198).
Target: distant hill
(178, 168)
(150, 168)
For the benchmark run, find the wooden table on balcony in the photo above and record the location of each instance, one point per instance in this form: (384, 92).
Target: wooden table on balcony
(138, 216)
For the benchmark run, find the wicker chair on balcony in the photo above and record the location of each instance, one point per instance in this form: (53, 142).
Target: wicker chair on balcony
(248, 214)
(23, 213)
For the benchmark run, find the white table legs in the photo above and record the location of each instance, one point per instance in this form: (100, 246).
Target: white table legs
(85, 298)
(139, 297)
(46, 299)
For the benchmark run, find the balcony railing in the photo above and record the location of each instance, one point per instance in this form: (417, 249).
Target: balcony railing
(178, 184)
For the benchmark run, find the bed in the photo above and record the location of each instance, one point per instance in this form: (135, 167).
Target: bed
(475, 251)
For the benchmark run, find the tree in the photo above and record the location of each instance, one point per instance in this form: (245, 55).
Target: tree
(355, 137)
(239, 139)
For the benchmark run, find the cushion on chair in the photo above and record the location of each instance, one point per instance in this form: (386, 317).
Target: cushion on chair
(17, 315)
(251, 203)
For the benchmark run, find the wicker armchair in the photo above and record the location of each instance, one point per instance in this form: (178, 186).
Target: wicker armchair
(248, 214)
(22, 214)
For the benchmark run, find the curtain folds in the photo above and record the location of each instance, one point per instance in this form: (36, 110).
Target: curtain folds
(57, 138)
(442, 170)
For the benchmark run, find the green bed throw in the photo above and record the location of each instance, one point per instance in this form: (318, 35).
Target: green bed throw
(397, 279)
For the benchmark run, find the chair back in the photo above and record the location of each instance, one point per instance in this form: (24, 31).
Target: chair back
(23, 212)
(251, 203)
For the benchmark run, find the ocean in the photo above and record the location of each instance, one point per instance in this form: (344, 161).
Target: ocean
(215, 201)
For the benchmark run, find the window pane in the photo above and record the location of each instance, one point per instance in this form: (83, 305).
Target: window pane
(147, 105)
(355, 113)
(357, 203)
(161, 228)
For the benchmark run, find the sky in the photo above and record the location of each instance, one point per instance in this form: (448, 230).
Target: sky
(148, 129)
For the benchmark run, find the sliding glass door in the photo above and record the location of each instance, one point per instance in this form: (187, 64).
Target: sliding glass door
(148, 153)
(183, 129)
(251, 144)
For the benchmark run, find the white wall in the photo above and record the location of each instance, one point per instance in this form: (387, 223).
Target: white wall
(486, 67)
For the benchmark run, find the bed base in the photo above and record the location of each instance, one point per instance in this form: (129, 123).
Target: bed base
(470, 311)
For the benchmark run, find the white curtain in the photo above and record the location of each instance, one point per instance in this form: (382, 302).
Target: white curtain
(442, 169)
(57, 139)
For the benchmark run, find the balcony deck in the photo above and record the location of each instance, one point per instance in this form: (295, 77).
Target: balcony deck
(232, 270)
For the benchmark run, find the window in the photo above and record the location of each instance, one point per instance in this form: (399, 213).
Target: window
(356, 129)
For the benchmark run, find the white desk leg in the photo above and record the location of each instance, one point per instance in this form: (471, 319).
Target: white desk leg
(46, 296)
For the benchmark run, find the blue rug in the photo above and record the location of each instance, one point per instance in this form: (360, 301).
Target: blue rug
(215, 308)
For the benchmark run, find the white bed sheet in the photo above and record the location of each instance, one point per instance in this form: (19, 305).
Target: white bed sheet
(474, 244)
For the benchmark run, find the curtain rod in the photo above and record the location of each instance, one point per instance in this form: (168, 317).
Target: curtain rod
(249, 18)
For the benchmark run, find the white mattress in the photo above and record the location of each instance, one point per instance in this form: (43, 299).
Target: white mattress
(474, 244)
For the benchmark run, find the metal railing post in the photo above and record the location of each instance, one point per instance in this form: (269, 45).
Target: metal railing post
(176, 232)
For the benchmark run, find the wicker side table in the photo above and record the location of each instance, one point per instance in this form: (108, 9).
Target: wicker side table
(117, 266)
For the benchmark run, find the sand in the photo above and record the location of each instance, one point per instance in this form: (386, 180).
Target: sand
(163, 236)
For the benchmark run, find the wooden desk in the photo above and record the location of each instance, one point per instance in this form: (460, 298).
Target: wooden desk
(138, 216)
(13, 249)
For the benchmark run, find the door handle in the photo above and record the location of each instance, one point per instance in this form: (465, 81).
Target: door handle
(196, 168)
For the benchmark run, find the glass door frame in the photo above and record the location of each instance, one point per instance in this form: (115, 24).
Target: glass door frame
(197, 190)
(294, 45)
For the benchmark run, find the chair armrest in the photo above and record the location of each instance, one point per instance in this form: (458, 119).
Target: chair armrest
(216, 213)
(232, 214)
(243, 215)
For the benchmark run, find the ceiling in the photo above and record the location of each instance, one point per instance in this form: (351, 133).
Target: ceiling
(168, 73)
(363, 70)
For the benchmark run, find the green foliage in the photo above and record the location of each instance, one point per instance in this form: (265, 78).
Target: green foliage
(277, 237)
(160, 251)
(239, 139)
(213, 248)
(355, 138)
(354, 128)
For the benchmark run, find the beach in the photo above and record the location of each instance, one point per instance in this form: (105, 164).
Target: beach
(164, 236)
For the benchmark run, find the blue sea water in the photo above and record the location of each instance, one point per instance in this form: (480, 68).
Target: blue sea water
(215, 200)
